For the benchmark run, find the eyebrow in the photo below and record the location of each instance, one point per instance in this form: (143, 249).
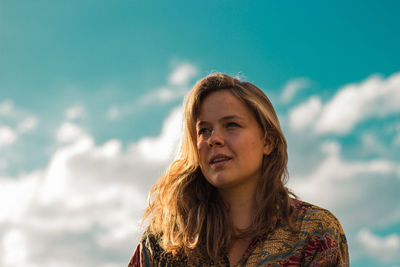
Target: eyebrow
(226, 118)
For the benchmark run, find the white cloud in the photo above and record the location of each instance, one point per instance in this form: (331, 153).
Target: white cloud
(14, 248)
(3, 164)
(89, 197)
(113, 113)
(93, 193)
(162, 95)
(6, 107)
(351, 187)
(75, 112)
(385, 249)
(292, 87)
(56, 178)
(27, 125)
(374, 97)
(21, 120)
(162, 147)
(182, 74)
(396, 140)
(373, 143)
(16, 196)
(7, 136)
(360, 192)
(303, 116)
(69, 132)
(178, 86)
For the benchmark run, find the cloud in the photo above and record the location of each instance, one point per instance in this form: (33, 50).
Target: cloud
(113, 113)
(27, 125)
(86, 202)
(178, 86)
(182, 74)
(371, 142)
(75, 112)
(342, 186)
(21, 122)
(162, 95)
(14, 248)
(6, 107)
(375, 97)
(356, 178)
(159, 149)
(16, 195)
(396, 140)
(69, 132)
(303, 116)
(178, 82)
(3, 164)
(292, 87)
(7, 136)
(384, 249)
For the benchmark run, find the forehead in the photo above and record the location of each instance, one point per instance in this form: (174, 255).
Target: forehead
(222, 104)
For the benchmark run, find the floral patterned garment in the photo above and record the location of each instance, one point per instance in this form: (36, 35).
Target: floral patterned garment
(320, 242)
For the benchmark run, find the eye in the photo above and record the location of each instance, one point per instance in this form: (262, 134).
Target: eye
(232, 124)
(203, 131)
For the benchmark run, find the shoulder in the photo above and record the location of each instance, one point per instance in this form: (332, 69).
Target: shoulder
(151, 250)
(316, 239)
(323, 233)
(312, 217)
(152, 254)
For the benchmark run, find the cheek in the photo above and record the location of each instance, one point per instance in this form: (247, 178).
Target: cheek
(253, 148)
(202, 150)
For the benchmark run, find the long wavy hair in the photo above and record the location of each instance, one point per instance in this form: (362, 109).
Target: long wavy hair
(187, 212)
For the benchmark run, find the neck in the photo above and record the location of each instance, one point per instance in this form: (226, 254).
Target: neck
(241, 206)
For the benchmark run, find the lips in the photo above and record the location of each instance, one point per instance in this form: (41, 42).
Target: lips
(219, 159)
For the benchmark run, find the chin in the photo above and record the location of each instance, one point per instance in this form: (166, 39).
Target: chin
(218, 181)
(221, 182)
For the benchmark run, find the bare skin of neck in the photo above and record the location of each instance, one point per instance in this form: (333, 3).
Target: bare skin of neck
(241, 203)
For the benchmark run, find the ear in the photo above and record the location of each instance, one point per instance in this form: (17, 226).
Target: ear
(268, 146)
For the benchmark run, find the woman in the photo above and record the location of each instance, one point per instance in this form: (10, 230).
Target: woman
(223, 202)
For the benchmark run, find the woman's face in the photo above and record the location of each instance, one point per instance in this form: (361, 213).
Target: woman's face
(230, 142)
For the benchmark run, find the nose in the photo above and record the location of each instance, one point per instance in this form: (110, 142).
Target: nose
(216, 138)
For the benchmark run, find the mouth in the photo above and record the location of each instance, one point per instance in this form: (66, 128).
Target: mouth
(219, 160)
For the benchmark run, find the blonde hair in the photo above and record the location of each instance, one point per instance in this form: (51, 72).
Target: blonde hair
(187, 212)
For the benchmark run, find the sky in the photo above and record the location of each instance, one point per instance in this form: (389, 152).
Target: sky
(91, 97)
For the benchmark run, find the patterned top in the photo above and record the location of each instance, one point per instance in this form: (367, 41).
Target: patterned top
(319, 242)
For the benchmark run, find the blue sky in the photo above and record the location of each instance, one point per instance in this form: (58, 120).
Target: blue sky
(90, 103)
